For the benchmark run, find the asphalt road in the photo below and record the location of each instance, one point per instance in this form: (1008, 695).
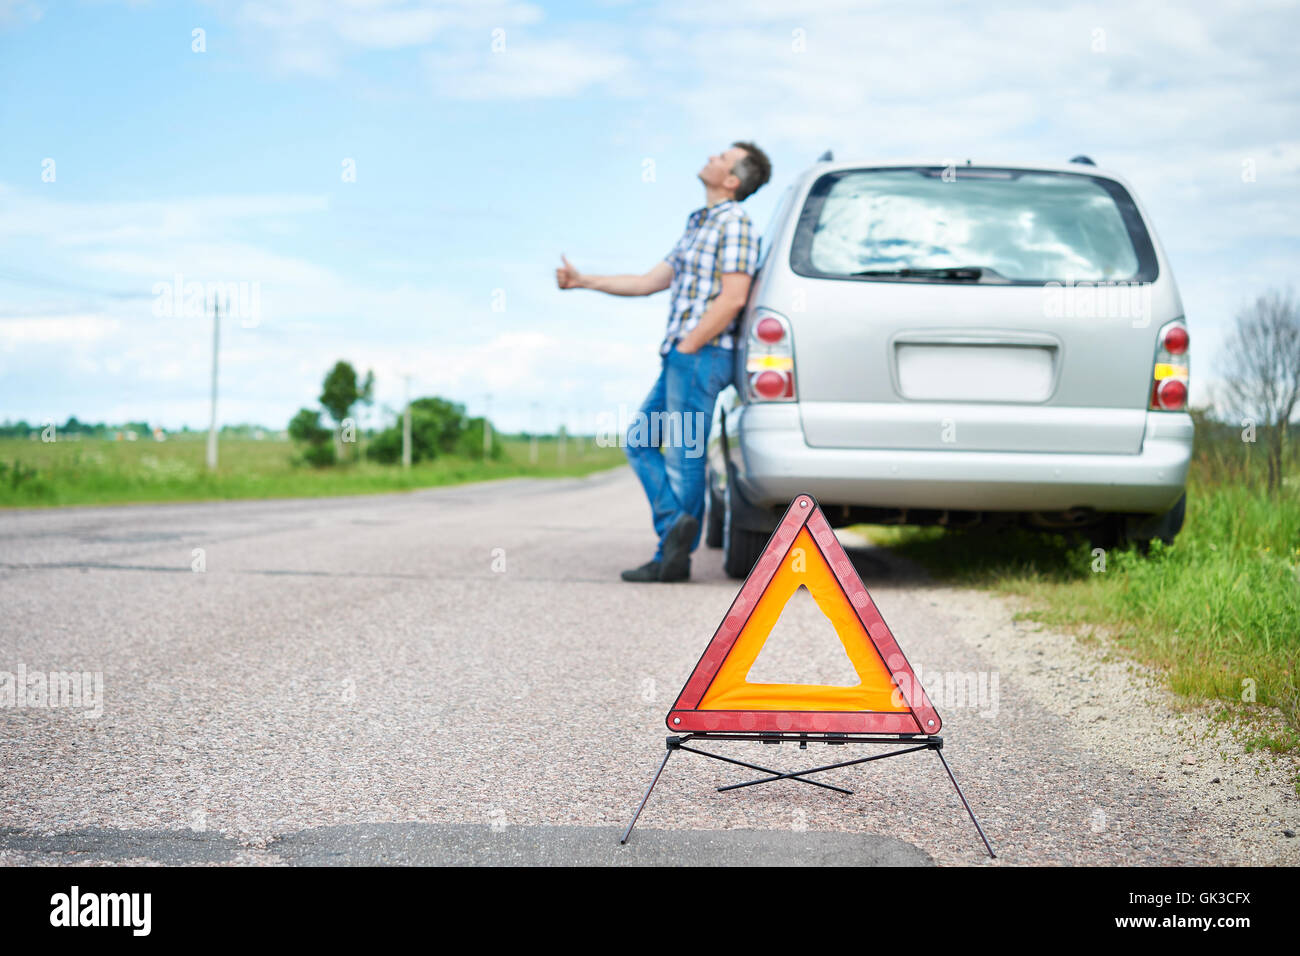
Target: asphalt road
(459, 675)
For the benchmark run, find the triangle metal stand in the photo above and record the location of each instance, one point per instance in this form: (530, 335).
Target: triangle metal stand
(909, 743)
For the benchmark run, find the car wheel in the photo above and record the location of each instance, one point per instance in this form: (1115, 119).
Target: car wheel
(713, 518)
(1108, 533)
(741, 549)
(1165, 526)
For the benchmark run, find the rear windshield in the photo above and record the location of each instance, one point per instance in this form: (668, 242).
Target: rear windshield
(1020, 226)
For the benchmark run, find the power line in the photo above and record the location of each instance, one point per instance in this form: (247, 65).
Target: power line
(47, 282)
(212, 426)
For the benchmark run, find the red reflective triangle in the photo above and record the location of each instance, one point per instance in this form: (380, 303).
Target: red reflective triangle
(879, 659)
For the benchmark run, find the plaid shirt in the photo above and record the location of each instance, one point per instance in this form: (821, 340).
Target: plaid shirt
(718, 239)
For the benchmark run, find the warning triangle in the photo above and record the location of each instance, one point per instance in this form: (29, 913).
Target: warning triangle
(803, 551)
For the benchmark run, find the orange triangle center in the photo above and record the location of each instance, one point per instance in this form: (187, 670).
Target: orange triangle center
(804, 565)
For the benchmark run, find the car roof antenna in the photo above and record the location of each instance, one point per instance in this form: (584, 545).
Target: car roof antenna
(825, 157)
(1085, 160)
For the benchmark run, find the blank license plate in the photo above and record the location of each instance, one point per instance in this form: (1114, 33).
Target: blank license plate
(975, 373)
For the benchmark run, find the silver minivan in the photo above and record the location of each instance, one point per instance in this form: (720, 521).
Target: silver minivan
(958, 345)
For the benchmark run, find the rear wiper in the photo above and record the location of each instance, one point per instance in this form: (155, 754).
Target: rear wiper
(954, 273)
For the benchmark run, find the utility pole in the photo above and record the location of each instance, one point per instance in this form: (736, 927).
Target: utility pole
(532, 444)
(212, 423)
(406, 425)
(487, 426)
(562, 436)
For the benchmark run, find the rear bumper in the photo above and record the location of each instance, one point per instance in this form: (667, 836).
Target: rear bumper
(773, 463)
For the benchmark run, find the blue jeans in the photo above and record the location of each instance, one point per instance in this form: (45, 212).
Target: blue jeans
(676, 417)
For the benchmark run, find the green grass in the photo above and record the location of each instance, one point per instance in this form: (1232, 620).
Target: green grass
(1218, 612)
(98, 471)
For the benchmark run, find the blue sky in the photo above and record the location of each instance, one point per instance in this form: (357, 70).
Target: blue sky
(476, 167)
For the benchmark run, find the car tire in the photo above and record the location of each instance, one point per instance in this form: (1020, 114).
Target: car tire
(741, 548)
(1108, 534)
(1165, 526)
(713, 518)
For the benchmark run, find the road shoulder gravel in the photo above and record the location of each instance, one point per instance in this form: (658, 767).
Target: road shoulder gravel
(1121, 710)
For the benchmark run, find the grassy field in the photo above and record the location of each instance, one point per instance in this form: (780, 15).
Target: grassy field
(1218, 612)
(98, 471)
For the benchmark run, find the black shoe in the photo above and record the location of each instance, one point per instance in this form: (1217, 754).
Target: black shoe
(647, 572)
(676, 564)
(676, 572)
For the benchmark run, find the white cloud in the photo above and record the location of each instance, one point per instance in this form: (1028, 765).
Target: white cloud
(443, 334)
(1176, 99)
(63, 331)
(81, 222)
(525, 69)
(13, 12)
(318, 37)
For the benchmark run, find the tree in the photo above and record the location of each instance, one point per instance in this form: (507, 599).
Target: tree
(366, 398)
(306, 429)
(436, 429)
(340, 392)
(471, 441)
(1262, 371)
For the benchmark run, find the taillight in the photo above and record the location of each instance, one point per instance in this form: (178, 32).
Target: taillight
(1170, 373)
(1171, 394)
(770, 384)
(769, 330)
(769, 360)
(1176, 340)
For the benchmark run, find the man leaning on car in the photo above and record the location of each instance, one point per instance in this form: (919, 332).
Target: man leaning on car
(709, 271)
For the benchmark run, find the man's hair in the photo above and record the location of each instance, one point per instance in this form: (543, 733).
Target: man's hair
(753, 169)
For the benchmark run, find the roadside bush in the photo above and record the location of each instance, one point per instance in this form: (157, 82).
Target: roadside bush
(316, 444)
(438, 428)
(471, 442)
